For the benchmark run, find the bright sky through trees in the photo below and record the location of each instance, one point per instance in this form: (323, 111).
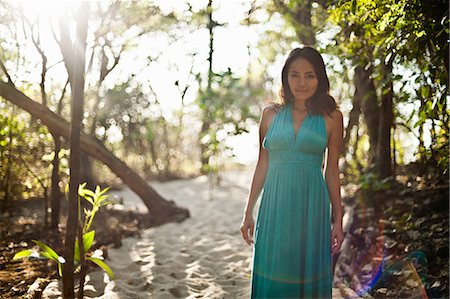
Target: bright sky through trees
(173, 61)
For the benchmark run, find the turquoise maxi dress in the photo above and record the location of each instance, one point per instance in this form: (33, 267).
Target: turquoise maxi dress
(292, 251)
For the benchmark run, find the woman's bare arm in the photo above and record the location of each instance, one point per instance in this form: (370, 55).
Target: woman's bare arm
(335, 148)
(248, 224)
(259, 175)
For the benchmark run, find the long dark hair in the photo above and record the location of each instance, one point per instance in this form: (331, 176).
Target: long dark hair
(321, 102)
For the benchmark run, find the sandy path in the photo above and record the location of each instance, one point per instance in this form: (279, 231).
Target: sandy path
(202, 257)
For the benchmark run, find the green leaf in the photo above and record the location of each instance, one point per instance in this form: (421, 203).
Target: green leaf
(88, 193)
(22, 254)
(60, 269)
(87, 212)
(88, 239)
(47, 256)
(102, 198)
(50, 253)
(425, 91)
(354, 3)
(81, 186)
(104, 190)
(103, 265)
(84, 192)
(89, 199)
(420, 33)
(66, 190)
(76, 252)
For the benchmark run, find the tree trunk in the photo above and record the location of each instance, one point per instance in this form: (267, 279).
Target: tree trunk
(55, 192)
(394, 152)
(86, 174)
(353, 119)
(359, 166)
(386, 117)
(366, 95)
(161, 209)
(77, 87)
(300, 17)
(86, 163)
(204, 156)
(9, 166)
(56, 195)
(422, 150)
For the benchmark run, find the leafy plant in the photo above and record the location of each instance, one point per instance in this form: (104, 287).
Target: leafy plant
(369, 185)
(97, 199)
(370, 181)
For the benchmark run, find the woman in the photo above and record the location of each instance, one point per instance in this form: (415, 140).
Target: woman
(294, 239)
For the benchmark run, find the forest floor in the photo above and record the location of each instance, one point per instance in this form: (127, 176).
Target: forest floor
(18, 229)
(397, 248)
(398, 242)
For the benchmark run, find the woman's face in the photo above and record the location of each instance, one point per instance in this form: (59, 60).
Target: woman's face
(302, 79)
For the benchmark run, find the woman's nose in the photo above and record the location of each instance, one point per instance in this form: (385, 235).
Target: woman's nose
(301, 81)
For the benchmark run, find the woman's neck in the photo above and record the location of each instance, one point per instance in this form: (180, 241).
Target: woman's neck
(299, 106)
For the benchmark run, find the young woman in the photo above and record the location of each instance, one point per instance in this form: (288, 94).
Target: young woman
(294, 239)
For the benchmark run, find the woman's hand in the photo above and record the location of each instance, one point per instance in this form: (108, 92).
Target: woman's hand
(247, 228)
(337, 237)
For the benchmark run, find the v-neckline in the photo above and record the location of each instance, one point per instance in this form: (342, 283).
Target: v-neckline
(293, 123)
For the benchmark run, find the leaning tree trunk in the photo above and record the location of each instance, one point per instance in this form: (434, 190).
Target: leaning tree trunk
(161, 209)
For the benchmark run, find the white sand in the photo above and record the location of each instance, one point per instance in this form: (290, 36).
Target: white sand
(201, 257)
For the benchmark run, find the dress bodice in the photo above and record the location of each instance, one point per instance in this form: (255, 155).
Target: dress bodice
(307, 145)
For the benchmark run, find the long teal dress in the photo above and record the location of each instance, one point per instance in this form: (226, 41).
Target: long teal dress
(292, 251)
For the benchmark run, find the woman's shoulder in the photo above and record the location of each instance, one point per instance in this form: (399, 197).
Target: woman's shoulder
(331, 114)
(269, 112)
(272, 108)
(334, 119)
(336, 114)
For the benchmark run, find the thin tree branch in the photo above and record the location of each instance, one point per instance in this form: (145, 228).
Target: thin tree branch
(5, 71)
(63, 93)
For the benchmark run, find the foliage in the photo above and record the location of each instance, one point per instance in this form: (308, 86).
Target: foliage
(128, 115)
(97, 199)
(117, 98)
(413, 34)
(116, 29)
(370, 181)
(11, 132)
(25, 156)
(227, 109)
